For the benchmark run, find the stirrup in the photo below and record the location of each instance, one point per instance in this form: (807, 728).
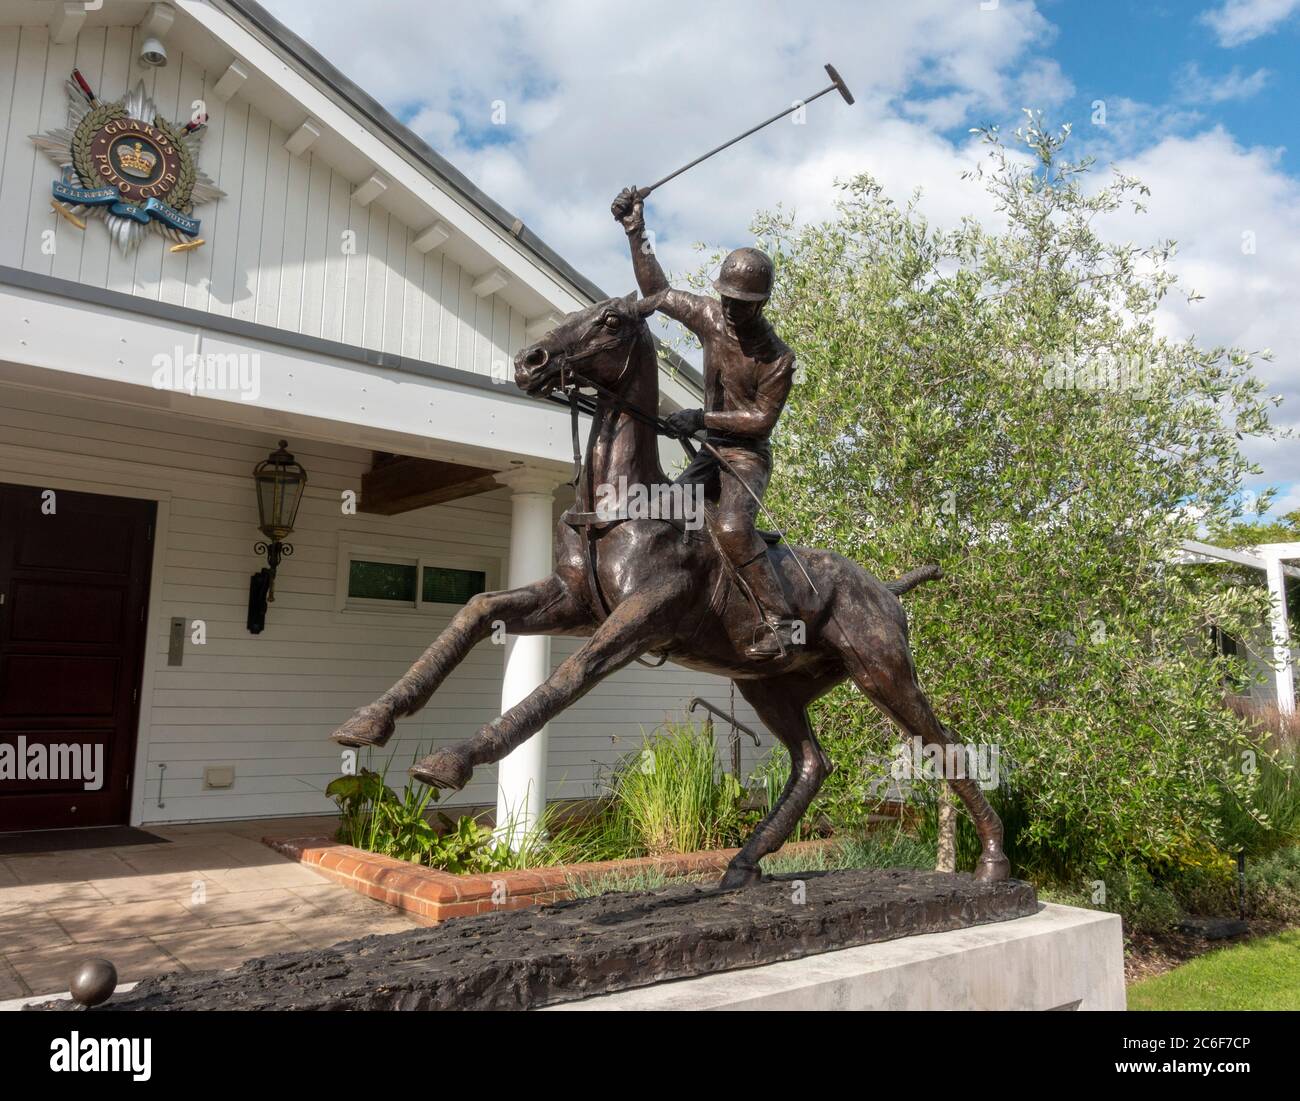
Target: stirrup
(757, 647)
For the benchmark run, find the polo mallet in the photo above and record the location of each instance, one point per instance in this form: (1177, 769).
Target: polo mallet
(836, 85)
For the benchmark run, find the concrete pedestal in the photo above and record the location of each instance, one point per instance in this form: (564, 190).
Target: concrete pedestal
(1059, 958)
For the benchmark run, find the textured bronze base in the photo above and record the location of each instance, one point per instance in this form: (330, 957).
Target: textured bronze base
(524, 959)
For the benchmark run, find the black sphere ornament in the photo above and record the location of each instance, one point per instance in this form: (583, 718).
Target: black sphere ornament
(93, 982)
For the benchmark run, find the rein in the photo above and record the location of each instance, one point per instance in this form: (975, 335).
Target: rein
(581, 403)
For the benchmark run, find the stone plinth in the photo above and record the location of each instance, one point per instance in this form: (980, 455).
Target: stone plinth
(1061, 958)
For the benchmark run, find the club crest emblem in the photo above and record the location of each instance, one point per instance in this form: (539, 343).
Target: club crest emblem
(123, 162)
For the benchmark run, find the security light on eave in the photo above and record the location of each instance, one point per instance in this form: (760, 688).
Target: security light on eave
(157, 21)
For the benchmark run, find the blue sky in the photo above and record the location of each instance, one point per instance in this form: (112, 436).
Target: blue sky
(1200, 102)
(1156, 54)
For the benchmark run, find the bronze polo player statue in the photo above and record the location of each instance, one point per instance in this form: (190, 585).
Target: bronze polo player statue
(636, 586)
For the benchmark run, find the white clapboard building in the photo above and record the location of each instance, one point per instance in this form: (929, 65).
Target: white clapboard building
(211, 241)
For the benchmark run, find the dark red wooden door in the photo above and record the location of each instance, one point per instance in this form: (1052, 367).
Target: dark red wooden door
(74, 583)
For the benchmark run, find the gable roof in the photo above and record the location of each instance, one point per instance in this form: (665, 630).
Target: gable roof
(448, 174)
(307, 56)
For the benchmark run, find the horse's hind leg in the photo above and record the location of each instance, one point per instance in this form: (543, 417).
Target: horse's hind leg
(884, 671)
(782, 704)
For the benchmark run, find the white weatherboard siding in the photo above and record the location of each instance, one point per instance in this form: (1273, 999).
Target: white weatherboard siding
(266, 704)
(275, 245)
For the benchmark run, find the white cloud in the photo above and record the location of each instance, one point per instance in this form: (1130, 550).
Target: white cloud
(1286, 501)
(1249, 296)
(594, 104)
(1131, 125)
(1241, 21)
(598, 103)
(1195, 87)
(1043, 85)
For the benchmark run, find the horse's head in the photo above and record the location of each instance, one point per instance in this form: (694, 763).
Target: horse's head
(591, 346)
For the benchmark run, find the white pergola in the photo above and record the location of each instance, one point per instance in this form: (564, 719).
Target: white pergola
(1272, 559)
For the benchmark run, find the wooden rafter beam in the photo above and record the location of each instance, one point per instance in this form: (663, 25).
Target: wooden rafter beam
(399, 483)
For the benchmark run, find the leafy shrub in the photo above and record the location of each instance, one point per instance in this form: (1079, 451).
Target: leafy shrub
(1262, 815)
(1273, 885)
(1144, 906)
(375, 818)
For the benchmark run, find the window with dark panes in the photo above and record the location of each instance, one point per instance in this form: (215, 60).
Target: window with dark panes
(382, 580)
(447, 586)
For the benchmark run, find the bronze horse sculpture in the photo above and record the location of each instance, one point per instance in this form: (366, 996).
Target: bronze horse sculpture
(637, 586)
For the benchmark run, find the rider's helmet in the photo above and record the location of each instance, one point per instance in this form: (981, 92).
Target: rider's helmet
(746, 274)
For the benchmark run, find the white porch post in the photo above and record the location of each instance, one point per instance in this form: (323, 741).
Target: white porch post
(521, 776)
(1283, 675)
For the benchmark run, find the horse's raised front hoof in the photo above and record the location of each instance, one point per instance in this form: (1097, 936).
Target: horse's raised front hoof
(993, 868)
(371, 725)
(446, 769)
(740, 875)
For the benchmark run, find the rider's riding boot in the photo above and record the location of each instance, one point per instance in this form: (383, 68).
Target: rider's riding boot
(773, 639)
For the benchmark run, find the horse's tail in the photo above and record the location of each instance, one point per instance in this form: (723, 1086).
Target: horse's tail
(913, 578)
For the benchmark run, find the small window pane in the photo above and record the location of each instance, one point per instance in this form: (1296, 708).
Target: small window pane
(381, 581)
(443, 586)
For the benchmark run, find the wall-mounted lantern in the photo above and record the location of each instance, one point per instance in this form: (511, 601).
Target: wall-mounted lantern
(280, 482)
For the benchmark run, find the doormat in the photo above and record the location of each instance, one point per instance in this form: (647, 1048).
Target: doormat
(51, 841)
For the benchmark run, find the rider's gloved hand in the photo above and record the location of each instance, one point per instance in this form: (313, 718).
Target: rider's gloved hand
(629, 209)
(686, 422)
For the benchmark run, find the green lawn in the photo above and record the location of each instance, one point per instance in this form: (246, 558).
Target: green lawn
(1262, 974)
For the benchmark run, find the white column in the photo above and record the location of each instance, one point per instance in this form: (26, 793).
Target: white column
(521, 776)
(1283, 673)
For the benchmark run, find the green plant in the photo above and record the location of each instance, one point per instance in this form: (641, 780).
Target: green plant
(641, 879)
(672, 796)
(886, 847)
(1144, 905)
(375, 818)
(1263, 815)
(1002, 401)
(1273, 885)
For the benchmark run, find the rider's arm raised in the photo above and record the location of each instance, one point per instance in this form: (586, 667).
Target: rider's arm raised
(760, 417)
(692, 310)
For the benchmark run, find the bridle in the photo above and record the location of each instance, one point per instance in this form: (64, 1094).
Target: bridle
(573, 382)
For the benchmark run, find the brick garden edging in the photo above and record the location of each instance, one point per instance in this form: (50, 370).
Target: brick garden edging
(433, 896)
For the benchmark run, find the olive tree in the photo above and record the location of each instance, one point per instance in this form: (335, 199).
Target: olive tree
(1000, 400)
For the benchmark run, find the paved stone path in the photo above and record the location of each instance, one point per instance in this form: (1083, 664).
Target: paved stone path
(212, 898)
